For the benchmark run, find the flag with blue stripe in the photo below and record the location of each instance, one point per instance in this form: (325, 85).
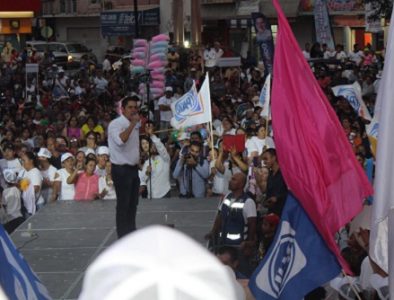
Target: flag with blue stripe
(298, 260)
(17, 279)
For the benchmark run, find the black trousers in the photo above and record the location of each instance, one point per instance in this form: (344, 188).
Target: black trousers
(127, 184)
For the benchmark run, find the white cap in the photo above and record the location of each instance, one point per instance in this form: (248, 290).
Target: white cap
(168, 89)
(10, 175)
(44, 152)
(89, 151)
(66, 156)
(102, 150)
(183, 136)
(157, 263)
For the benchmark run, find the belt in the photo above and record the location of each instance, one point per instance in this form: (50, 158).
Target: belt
(125, 166)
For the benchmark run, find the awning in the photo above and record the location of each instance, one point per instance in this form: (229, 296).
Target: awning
(289, 7)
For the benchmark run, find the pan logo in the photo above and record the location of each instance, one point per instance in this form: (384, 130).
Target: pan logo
(285, 261)
(189, 105)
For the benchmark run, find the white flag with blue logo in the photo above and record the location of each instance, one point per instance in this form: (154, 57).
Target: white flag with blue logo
(298, 260)
(352, 93)
(17, 279)
(265, 98)
(192, 108)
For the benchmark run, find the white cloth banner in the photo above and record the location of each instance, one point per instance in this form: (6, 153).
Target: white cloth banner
(352, 93)
(383, 205)
(192, 108)
(265, 98)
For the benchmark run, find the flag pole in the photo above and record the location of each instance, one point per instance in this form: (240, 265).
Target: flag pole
(352, 286)
(211, 134)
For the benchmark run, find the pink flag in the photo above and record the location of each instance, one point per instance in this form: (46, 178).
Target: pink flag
(315, 156)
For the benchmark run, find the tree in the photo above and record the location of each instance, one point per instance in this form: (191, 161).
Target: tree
(382, 8)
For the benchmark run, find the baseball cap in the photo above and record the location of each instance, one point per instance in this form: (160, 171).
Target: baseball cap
(155, 262)
(102, 150)
(66, 156)
(44, 152)
(10, 176)
(89, 151)
(168, 89)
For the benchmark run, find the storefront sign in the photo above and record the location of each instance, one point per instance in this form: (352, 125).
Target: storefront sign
(122, 23)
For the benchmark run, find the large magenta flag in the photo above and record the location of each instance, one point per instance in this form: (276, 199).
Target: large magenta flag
(315, 156)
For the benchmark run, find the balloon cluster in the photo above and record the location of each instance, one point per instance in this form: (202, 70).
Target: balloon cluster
(152, 56)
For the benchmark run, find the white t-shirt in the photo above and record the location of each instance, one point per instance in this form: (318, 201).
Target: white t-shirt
(49, 174)
(67, 191)
(13, 164)
(165, 115)
(35, 179)
(256, 144)
(220, 181)
(111, 195)
(11, 198)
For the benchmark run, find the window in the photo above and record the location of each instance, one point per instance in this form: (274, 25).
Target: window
(62, 6)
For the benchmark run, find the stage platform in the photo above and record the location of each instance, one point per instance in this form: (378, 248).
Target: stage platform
(68, 236)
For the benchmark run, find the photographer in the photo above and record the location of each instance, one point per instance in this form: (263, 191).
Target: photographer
(192, 172)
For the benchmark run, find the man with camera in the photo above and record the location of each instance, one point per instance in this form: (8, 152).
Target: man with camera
(192, 172)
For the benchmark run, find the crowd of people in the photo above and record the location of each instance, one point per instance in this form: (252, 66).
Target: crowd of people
(54, 141)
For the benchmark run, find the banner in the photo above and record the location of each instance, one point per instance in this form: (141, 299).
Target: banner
(381, 238)
(264, 40)
(298, 260)
(322, 24)
(352, 93)
(192, 108)
(372, 24)
(265, 98)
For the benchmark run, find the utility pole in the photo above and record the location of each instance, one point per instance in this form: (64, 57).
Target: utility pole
(136, 18)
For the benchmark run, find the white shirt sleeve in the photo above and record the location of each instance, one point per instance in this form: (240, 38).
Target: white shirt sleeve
(249, 210)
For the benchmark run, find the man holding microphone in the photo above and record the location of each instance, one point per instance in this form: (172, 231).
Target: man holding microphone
(123, 143)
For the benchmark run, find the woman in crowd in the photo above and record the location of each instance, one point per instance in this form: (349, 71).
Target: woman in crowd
(67, 187)
(87, 182)
(50, 187)
(33, 176)
(72, 129)
(91, 142)
(91, 125)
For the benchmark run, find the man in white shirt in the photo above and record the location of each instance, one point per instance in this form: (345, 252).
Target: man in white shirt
(100, 82)
(212, 55)
(123, 144)
(356, 55)
(165, 110)
(307, 51)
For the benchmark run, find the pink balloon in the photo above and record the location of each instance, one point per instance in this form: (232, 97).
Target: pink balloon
(160, 37)
(158, 77)
(138, 62)
(140, 43)
(156, 64)
(138, 55)
(157, 84)
(158, 56)
(158, 50)
(140, 49)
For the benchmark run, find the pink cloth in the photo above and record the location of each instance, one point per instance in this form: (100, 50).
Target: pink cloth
(74, 132)
(87, 187)
(315, 156)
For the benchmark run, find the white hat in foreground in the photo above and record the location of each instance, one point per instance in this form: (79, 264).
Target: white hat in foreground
(158, 263)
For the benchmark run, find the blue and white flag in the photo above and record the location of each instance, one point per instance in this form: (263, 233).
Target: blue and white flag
(265, 98)
(322, 24)
(298, 260)
(352, 93)
(17, 279)
(192, 108)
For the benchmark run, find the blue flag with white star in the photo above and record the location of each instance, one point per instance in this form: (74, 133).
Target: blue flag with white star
(298, 260)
